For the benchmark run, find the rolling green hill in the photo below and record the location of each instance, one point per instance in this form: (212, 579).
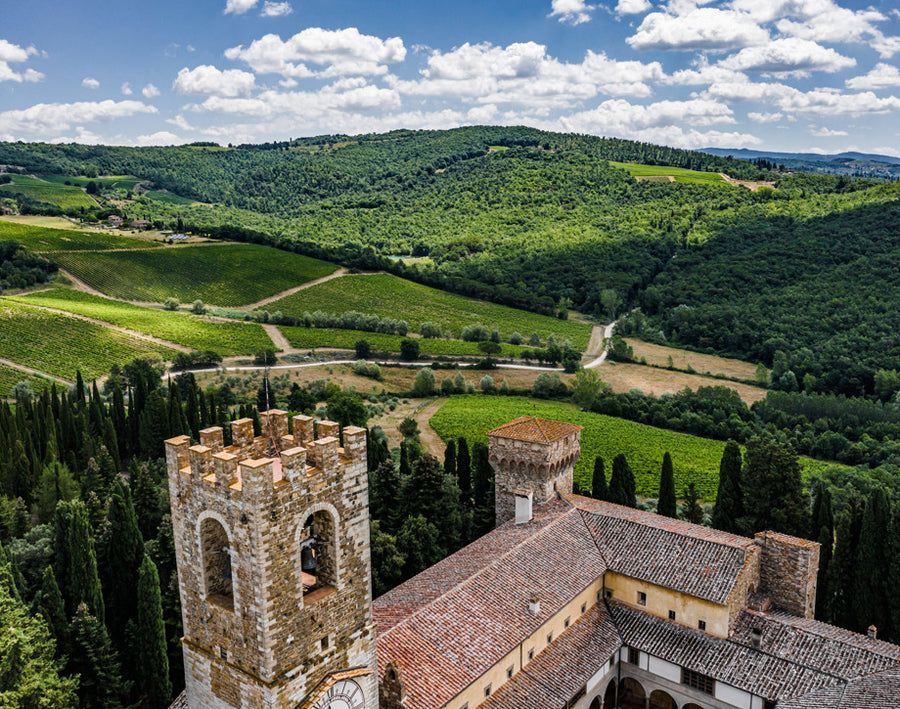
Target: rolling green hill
(36, 238)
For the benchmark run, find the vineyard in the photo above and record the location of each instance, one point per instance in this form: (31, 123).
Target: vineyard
(63, 196)
(61, 345)
(36, 238)
(228, 338)
(221, 274)
(693, 177)
(311, 337)
(9, 377)
(696, 460)
(389, 296)
(122, 182)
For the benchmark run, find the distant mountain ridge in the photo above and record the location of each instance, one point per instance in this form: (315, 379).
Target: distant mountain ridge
(846, 163)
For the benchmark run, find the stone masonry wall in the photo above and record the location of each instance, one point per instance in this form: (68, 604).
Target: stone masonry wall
(788, 570)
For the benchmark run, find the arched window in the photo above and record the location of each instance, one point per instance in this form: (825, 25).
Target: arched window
(631, 694)
(216, 557)
(661, 700)
(318, 552)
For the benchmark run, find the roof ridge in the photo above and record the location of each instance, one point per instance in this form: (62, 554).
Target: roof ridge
(470, 579)
(537, 422)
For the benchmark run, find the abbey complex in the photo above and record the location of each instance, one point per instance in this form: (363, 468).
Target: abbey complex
(569, 602)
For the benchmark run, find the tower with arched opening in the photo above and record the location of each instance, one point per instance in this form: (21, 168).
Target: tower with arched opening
(272, 545)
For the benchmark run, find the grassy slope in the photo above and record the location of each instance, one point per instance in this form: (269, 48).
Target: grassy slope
(222, 274)
(9, 377)
(389, 296)
(38, 238)
(231, 338)
(680, 174)
(63, 196)
(60, 345)
(695, 459)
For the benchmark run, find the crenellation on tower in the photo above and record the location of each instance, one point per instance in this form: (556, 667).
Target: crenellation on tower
(265, 536)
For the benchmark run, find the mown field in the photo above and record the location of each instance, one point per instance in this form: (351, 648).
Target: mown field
(693, 177)
(311, 337)
(386, 295)
(40, 238)
(63, 196)
(124, 182)
(228, 338)
(61, 345)
(687, 360)
(9, 377)
(696, 460)
(220, 274)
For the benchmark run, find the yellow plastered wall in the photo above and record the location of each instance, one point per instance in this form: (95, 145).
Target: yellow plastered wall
(688, 609)
(473, 695)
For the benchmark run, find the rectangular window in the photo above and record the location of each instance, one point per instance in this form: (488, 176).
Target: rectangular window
(698, 681)
(671, 615)
(642, 598)
(509, 672)
(583, 607)
(634, 655)
(223, 653)
(608, 592)
(549, 638)
(567, 622)
(325, 643)
(487, 691)
(531, 654)
(701, 624)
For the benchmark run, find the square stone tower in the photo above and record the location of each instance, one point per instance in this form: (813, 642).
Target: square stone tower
(272, 546)
(533, 454)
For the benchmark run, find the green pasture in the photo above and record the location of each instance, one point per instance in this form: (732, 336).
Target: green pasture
(36, 238)
(679, 173)
(63, 196)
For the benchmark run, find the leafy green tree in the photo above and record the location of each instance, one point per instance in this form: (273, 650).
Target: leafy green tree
(385, 485)
(693, 512)
(387, 560)
(450, 458)
(301, 399)
(424, 382)
(483, 491)
(75, 562)
(95, 660)
(464, 471)
(599, 488)
(873, 563)
(621, 483)
(729, 507)
(420, 541)
(154, 686)
(667, 504)
(56, 484)
(842, 570)
(773, 489)
(823, 532)
(53, 609)
(409, 350)
(348, 409)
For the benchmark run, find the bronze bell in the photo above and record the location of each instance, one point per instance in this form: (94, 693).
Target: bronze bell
(308, 560)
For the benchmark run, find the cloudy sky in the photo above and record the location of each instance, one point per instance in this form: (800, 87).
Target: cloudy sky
(775, 74)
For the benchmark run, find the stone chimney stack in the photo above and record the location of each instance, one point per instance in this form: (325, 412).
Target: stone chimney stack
(873, 632)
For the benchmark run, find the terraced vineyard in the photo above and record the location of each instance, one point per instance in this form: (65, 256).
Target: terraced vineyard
(695, 459)
(37, 238)
(221, 274)
(9, 377)
(63, 196)
(680, 174)
(311, 337)
(60, 345)
(389, 296)
(228, 338)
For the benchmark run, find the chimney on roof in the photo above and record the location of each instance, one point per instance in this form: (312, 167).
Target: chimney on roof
(524, 512)
(756, 638)
(873, 632)
(534, 605)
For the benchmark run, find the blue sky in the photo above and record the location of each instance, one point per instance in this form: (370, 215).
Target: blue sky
(791, 75)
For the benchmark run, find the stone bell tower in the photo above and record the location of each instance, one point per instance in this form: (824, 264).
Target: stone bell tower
(272, 545)
(534, 455)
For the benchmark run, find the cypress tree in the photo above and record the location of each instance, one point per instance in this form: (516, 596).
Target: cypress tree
(405, 469)
(894, 578)
(484, 514)
(450, 458)
(464, 471)
(78, 579)
(773, 489)
(121, 550)
(693, 512)
(599, 488)
(872, 595)
(667, 504)
(729, 507)
(385, 485)
(842, 571)
(95, 661)
(52, 607)
(823, 526)
(621, 483)
(154, 685)
(192, 410)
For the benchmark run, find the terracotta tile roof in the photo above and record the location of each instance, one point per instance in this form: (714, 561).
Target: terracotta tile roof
(448, 625)
(815, 644)
(563, 668)
(535, 430)
(684, 557)
(878, 691)
(180, 701)
(740, 666)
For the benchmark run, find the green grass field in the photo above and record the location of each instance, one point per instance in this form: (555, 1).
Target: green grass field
(311, 337)
(696, 460)
(219, 274)
(9, 377)
(389, 296)
(124, 182)
(37, 238)
(229, 338)
(63, 196)
(60, 345)
(680, 174)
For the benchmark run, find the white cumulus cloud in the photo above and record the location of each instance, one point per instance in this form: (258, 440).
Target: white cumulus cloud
(90, 82)
(789, 55)
(126, 89)
(758, 117)
(14, 54)
(239, 7)
(150, 91)
(881, 77)
(162, 137)
(632, 7)
(209, 80)
(573, 11)
(276, 9)
(51, 119)
(824, 132)
(704, 28)
(340, 52)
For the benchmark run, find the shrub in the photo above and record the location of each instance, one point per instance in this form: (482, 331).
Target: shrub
(171, 304)
(198, 308)
(487, 384)
(409, 350)
(424, 384)
(363, 349)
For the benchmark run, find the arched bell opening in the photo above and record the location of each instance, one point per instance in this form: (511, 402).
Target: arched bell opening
(215, 549)
(318, 553)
